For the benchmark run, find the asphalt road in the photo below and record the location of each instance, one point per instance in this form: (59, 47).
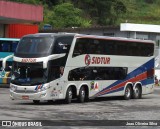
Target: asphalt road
(115, 108)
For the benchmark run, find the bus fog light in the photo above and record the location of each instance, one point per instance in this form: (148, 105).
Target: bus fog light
(11, 94)
(13, 88)
(45, 88)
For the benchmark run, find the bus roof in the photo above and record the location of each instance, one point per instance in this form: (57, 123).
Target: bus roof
(49, 34)
(113, 38)
(89, 36)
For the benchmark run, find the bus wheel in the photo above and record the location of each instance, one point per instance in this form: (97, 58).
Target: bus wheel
(128, 93)
(82, 95)
(36, 101)
(50, 101)
(69, 95)
(137, 94)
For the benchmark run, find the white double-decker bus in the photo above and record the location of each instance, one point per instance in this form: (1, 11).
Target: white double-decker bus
(67, 66)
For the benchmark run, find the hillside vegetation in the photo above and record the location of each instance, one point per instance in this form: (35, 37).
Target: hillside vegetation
(88, 13)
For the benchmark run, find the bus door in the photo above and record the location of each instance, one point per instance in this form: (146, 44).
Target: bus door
(5, 71)
(55, 73)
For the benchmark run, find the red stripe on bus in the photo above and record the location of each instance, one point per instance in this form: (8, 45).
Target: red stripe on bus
(133, 80)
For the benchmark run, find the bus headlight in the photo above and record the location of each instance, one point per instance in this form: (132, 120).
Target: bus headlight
(40, 88)
(13, 88)
(43, 88)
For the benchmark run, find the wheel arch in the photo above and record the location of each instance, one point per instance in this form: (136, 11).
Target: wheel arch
(128, 84)
(137, 84)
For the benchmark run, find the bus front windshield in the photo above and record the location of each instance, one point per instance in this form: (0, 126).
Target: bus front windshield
(28, 74)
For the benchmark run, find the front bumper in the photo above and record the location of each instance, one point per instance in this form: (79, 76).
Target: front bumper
(27, 96)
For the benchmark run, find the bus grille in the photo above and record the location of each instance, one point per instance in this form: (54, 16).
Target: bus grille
(27, 91)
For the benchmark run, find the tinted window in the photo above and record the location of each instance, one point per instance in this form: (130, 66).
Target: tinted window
(98, 73)
(55, 68)
(28, 73)
(14, 46)
(35, 45)
(112, 47)
(0, 65)
(62, 44)
(8, 46)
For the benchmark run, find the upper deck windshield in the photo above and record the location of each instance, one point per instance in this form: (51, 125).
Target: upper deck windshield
(33, 47)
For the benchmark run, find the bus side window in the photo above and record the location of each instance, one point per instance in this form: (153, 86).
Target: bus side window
(1, 66)
(14, 45)
(53, 73)
(78, 49)
(5, 47)
(76, 75)
(62, 45)
(92, 49)
(100, 48)
(0, 47)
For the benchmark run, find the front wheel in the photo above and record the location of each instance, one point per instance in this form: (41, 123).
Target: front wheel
(128, 93)
(69, 95)
(36, 101)
(137, 94)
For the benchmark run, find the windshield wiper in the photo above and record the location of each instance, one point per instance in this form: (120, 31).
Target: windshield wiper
(37, 83)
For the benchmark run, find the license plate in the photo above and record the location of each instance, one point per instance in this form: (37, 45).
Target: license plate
(25, 97)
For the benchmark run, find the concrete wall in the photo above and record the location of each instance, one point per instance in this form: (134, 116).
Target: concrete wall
(19, 11)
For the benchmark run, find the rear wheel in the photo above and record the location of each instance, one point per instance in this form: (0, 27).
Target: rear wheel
(82, 95)
(128, 93)
(137, 94)
(69, 95)
(36, 101)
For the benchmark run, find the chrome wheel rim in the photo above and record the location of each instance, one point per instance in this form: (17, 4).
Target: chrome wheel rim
(136, 91)
(83, 94)
(128, 92)
(70, 94)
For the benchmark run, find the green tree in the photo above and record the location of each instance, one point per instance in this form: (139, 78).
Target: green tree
(66, 15)
(103, 12)
(47, 14)
(35, 2)
(84, 13)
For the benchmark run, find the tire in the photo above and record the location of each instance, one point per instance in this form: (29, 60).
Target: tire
(69, 96)
(137, 93)
(36, 101)
(50, 101)
(82, 95)
(128, 93)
